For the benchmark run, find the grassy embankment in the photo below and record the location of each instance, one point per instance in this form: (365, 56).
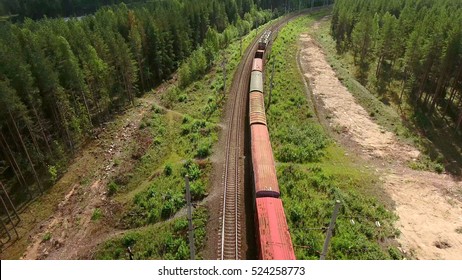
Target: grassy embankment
(182, 139)
(313, 171)
(407, 124)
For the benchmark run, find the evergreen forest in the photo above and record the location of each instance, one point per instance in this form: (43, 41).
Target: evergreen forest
(36, 9)
(410, 48)
(63, 79)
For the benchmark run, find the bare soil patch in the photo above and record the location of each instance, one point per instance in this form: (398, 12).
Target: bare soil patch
(429, 205)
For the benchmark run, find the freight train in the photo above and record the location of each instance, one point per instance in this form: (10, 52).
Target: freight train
(272, 232)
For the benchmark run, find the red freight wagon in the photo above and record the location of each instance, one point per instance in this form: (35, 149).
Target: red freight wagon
(264, 171)
(257, 108)
(257, 64)
(273, 235)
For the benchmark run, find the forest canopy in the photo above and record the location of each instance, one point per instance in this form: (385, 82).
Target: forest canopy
(36, 9)
(62, 79)
(414, 43)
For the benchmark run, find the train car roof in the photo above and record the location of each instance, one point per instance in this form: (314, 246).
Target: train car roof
(274, 238)
(266, 182)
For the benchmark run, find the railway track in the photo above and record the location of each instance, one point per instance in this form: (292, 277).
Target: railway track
(230, 223)
(232, 203)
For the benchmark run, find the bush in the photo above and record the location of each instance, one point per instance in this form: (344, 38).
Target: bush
(204, 149)
(197, 191)
(182, 98)
(191, 169)
(168, 169)
(97, 214)
(171, 204)
(171, 97)
(439, 168)
(184, 75)
(193, 68)
(47, 236)
(180, 225)
(167, 210)
(128, 240)
(53, 171)
(395, 254)
(157, 110)
(425, 163)
(209, 109)
(186, 119)
(112, 188)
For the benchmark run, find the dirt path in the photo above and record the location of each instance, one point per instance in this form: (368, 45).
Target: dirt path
(429, 205)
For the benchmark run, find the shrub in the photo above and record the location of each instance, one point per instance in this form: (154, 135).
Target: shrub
(157, 110)
(204, 150)
(184, 75)
(128, 240)
(439, 168)
(191, 169)
(168, 169)
(112, 188)
(197, 191)
(180, 225)
(171, 97)
(395, 254)
(53, 171)
(182, 98)
(97, 214)
(47, 236)
(186, 119)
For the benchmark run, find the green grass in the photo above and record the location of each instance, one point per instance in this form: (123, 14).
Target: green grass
(295, 133)
(313, 171)
(160, 241)
(165, 195)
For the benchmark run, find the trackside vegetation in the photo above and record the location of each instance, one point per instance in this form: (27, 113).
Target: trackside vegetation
(313, 171)
(183, 126)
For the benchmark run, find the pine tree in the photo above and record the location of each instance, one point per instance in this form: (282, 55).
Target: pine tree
(362, 42)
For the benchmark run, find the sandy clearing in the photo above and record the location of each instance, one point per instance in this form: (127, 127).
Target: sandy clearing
(347, 115)
(428, 204)
(428, 217)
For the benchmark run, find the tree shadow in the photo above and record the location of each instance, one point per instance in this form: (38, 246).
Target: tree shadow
(363, 71)
(442, 141)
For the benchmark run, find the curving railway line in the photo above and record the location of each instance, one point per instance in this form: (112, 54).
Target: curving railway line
(232, 203)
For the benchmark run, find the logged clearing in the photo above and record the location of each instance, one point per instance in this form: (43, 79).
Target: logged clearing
(85, 216)
(429, 205)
